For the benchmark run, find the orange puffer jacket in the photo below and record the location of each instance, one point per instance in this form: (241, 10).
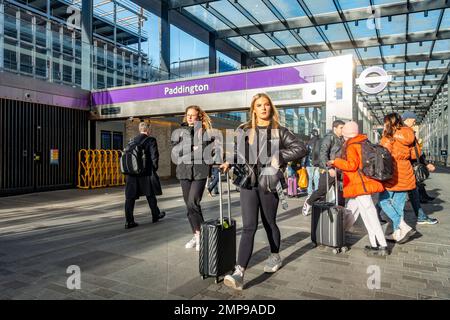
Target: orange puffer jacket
(353, 181)
(401, 149)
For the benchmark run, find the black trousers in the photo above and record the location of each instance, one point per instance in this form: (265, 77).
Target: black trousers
(129, 207)
(253, 202)
(192, 195)
(321, 192)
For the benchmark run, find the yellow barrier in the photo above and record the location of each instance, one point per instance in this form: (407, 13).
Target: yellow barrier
(99, 168)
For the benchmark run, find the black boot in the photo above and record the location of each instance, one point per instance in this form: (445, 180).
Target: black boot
(130, 225)
(161, 215)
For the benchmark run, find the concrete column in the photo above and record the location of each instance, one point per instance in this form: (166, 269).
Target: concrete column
(86, 43)
(2, 36)
(164, 37)
(212, 54)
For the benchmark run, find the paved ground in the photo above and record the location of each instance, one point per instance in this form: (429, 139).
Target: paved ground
(42, 234)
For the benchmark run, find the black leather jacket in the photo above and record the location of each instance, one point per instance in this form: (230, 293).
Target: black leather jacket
(330, 149)
(189, 171)
(290, 149)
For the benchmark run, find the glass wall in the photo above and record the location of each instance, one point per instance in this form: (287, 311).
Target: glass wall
(123, 50)
(188, 56)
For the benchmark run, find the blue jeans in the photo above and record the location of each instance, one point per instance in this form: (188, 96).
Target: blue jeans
(313, 177)
(214, 182)
(414, 198)
(393, 204)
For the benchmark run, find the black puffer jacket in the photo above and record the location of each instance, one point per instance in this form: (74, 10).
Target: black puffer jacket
(330, 149)
(185, 170)
(290, 149)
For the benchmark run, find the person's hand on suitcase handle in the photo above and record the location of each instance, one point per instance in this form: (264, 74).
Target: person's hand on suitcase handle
(331, 172)
(224, 167)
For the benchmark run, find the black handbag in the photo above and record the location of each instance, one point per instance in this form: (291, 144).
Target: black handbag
(420, 170)
(242, 176)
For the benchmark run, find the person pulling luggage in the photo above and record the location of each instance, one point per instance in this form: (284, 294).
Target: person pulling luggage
(259, 195)
(358, 189)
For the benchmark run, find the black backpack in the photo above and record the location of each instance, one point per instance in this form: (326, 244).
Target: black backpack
(133, 161)
(377, 161)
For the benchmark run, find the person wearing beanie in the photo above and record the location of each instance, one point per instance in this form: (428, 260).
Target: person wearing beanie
(358, 190)
(409, 119)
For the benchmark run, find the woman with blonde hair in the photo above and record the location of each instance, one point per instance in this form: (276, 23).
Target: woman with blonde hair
(193, 175)
(258, 194)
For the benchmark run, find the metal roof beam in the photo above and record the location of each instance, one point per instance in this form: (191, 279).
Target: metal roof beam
(331, 18)
(366, 42)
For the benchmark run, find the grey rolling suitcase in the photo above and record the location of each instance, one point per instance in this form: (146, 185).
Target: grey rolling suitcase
(327, 223)
(218, 242)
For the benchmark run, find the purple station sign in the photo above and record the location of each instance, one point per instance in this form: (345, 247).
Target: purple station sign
(234, 82)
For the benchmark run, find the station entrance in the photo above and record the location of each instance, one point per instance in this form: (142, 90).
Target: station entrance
(309, 95)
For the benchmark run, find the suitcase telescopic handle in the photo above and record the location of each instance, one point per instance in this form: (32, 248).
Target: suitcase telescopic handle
(336, 186)
(221, 197)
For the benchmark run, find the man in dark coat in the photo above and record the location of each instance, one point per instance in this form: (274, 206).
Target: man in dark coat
(137, 186)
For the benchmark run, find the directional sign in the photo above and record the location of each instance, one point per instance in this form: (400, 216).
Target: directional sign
(381, 80)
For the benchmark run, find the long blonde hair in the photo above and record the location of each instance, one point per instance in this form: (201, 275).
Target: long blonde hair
(202, 116)
(274, 116)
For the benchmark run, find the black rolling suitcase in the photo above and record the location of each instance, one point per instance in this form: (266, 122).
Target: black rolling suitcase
(327, 223)
(218, 242)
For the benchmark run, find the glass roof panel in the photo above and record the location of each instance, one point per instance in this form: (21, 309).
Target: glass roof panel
(438, 64)
(433, 77)
(324, 54)
(371, 52)
(264, 41)
(286, 38)
(289, 8)
(244, 44)
(320, 6)
(394, 66)
(267, 61)
(379, 2)
(395, 50)
(304, 57)
(445, 24)
(209, 19)
(353, 4)
(311, 36)
(419, 48)
(441, 46)
(396, 26)
(419, 23)
(259, 11)
(335, 32)
(415, 66)
(286, 59)
(361, 30)
(231, 13)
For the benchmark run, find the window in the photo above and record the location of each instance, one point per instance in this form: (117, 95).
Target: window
(105, 140)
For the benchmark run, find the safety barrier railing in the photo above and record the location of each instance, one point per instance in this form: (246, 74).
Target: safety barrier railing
(98, 168)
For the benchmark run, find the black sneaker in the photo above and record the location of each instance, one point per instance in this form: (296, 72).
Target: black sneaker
(162, 214)
(130, 225)
(376, 251)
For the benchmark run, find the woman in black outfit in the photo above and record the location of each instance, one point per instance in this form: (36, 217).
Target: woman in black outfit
(260, 195)
(192, 175)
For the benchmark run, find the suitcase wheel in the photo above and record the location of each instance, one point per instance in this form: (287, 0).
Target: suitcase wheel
(344, 249)
(314, 244)
(217, 280)
(203, 277)
(336, 250)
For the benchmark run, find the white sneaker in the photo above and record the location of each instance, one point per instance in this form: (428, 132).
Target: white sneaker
(306, 210)
(191, 243)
